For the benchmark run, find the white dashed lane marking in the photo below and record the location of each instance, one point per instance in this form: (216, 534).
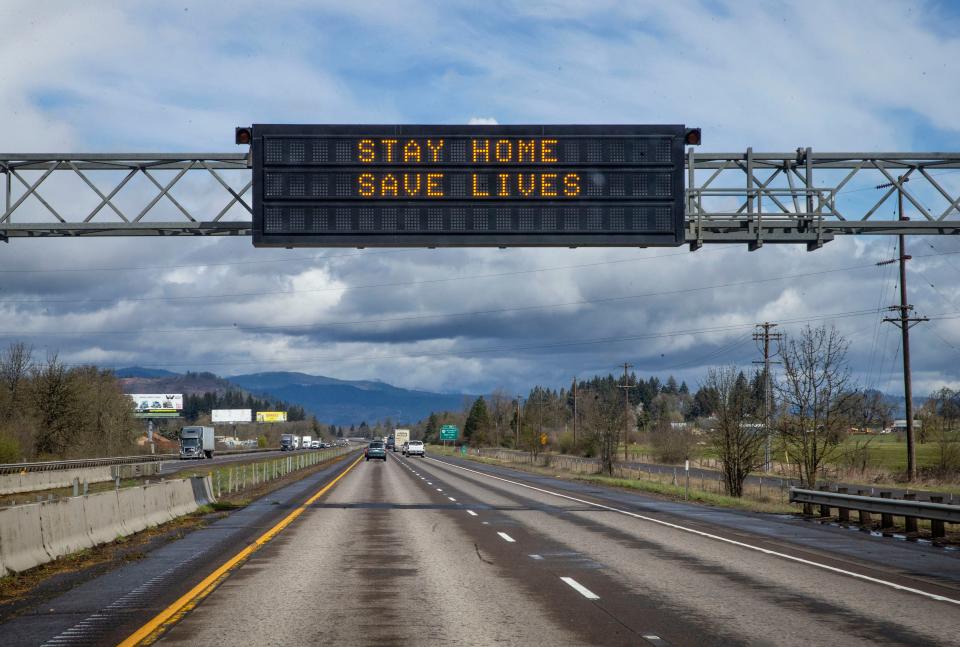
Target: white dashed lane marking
(580, 588)
(451, 498)
(471, 513)
(507, 537)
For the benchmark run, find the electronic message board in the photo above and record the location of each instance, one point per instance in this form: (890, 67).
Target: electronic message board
(467, 186)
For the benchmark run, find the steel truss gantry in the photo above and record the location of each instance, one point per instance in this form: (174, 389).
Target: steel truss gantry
(752, 198)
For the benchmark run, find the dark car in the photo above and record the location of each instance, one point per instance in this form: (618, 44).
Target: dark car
(376, 450)
(390, 443)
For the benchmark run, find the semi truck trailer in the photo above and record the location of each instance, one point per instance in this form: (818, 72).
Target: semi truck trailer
(196, 442)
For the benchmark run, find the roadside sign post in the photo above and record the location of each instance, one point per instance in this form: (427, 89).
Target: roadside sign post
(686, 469)
(448, 432)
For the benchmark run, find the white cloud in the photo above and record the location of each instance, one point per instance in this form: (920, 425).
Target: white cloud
(198, 73)
(482, 121)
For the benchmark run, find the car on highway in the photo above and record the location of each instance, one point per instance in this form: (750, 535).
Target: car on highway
(316, 444)
(414, 448)
(376, 449)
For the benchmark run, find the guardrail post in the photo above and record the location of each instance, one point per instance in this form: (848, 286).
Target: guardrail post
(843, 513)
(886, 520)
(937, 527)
(910, 523)
(866, 520)
(824, 508)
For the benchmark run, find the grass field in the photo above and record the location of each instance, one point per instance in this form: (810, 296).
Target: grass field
(886, 452)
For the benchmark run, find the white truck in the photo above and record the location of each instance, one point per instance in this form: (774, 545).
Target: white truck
(400, 436)
(288, 442)
(305, 442)
(196, 442)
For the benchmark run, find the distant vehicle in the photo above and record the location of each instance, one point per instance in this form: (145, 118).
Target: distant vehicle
(315, 444)
(376, 449)
(196, 442)
(305, 442)
(401, 436)
(287, 442)
(415, 448)
(391, 444)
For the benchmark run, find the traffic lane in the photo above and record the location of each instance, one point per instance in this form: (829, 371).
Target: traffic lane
(577, 591)
(174, 466)
(107, 608)
(380, 559)
(735, 591)
(936, 567)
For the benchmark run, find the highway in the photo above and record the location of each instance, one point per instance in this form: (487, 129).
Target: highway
(450, 552)
(174, 465)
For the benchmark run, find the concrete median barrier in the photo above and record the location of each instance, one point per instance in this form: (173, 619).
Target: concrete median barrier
(132, 516)
(158, 502)
(47, 480)
(21, 538)
(101, 514)
(36, 533)
(64, 527)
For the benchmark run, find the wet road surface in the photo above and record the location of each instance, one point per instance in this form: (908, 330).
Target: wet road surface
(423, 551)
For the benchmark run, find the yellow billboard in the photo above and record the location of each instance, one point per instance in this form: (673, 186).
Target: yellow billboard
(271, 416)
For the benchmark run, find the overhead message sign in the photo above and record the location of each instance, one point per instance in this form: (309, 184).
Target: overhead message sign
(448, 186)
(271, 416)
(231, 415)
(157, 405)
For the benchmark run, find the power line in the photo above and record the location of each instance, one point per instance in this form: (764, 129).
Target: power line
(447, 279)
(348, 288)
(475, 313)
(154, 268)
(300, 361)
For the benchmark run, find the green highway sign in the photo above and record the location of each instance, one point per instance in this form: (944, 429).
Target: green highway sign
(448, 432)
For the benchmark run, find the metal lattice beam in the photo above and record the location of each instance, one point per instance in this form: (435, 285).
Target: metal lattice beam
(753, 198)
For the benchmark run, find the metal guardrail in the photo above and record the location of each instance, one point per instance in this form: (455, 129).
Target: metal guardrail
(43, 466)
(934, 511)
(877, 505)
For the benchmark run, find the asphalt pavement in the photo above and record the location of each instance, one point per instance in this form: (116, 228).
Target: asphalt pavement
(431, 552)
(442, 551)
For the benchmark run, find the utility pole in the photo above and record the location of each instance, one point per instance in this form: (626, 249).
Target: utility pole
(765, 337)
(626, 411)
(574, 389)
(905, 323)
(517, 443)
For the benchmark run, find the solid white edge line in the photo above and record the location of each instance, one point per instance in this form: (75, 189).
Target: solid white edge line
(507, 537)
(766, 551)
(580, 588)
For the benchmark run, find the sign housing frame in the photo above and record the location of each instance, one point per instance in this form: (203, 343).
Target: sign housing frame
(445, 236)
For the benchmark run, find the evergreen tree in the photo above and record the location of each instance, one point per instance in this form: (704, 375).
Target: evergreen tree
(477, 424)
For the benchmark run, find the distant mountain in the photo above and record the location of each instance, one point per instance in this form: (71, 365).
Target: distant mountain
(345, 402)
(333, 401)
(167, 382)
(139, 371)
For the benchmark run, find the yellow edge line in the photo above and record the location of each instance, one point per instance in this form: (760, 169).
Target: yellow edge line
(155, 627)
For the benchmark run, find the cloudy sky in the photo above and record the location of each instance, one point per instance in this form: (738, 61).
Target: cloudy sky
(175, 77)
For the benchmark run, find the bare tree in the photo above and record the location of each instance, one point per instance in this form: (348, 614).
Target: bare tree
(814, 391)
(602, 416)
(738, 436)
(501, 410)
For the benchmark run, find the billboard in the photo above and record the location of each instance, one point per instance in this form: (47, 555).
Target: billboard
(271, 416)
(157, 403)
(231, 415)
(468, 186)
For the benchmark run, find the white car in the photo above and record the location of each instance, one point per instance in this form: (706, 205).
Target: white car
(414, 448)
(315, 444)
